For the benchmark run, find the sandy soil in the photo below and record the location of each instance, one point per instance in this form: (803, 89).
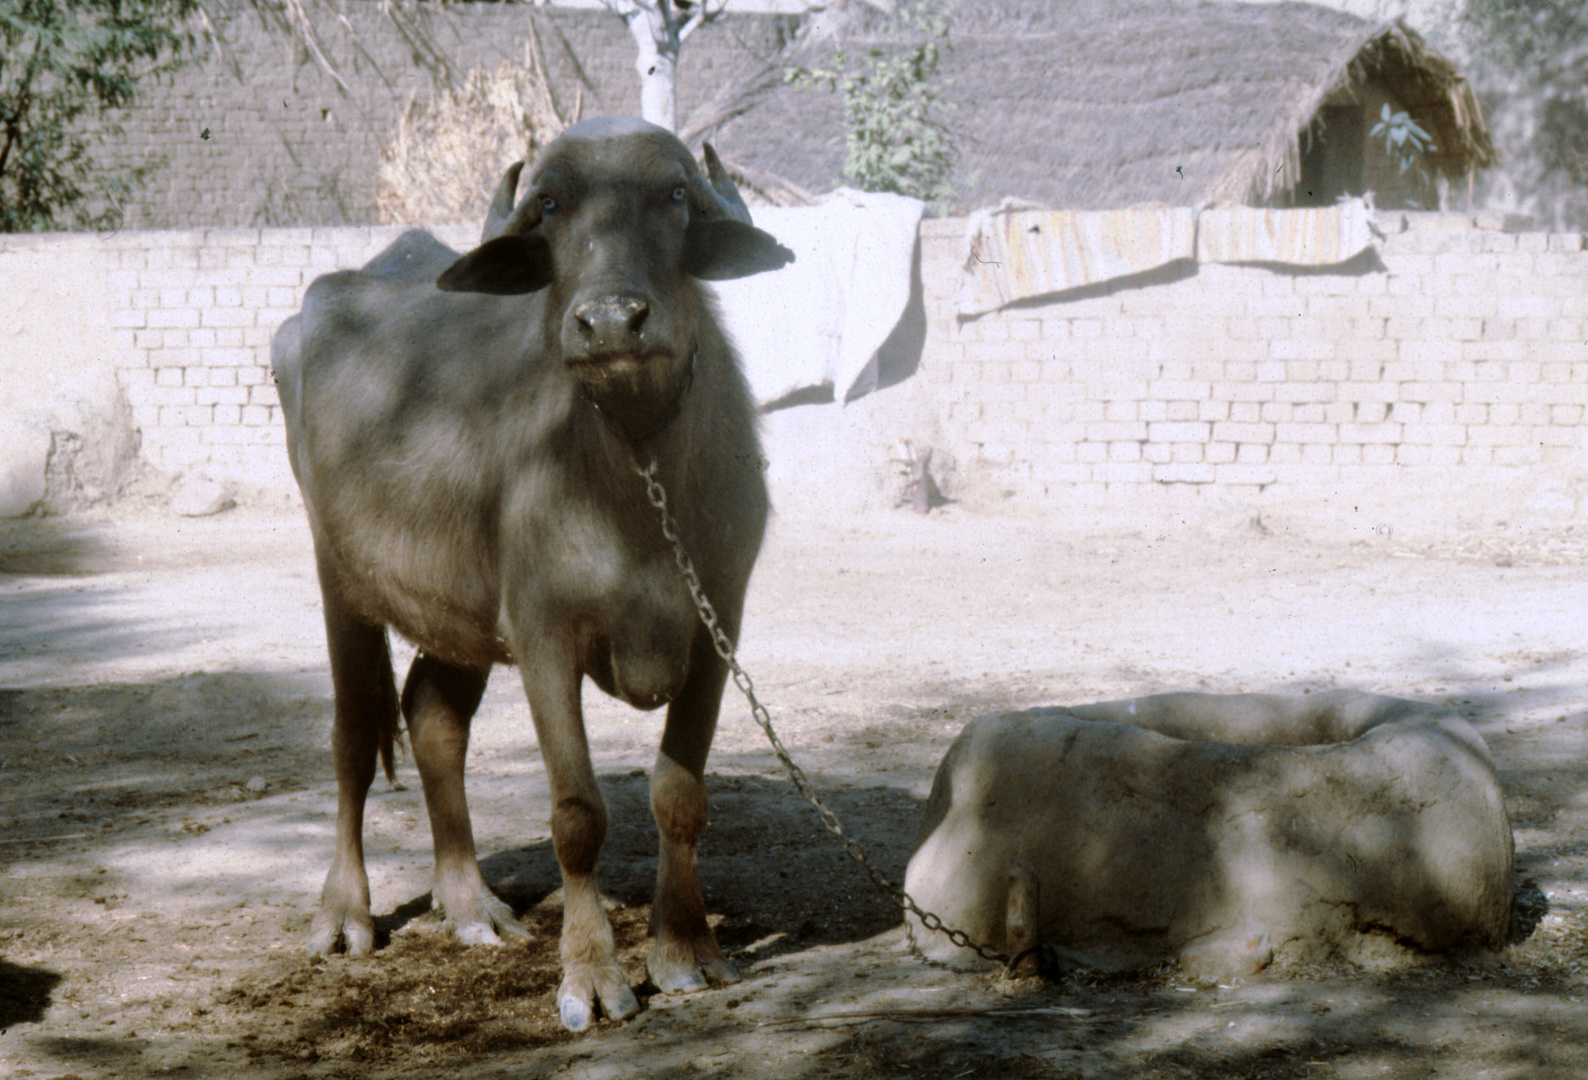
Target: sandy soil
(166, 806)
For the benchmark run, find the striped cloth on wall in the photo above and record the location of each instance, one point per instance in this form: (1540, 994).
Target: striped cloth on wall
(1011, 256)
(1315, 237)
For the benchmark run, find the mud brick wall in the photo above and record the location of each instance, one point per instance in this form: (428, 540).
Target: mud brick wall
(1457, 354)
(287, 146)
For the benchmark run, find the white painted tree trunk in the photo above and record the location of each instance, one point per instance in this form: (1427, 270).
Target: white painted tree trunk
(659, 29)
(656, 60)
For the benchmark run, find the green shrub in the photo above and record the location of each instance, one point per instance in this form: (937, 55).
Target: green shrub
(895, 135)
(62, 61)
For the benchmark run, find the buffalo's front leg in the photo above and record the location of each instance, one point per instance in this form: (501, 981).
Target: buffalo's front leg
(439, 700)
(366, 707)
(591, 974)
(686, 955)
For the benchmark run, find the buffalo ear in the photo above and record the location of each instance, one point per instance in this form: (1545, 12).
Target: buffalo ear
(506, 266)
(723, 249)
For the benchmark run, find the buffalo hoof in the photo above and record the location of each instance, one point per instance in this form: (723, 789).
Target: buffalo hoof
(582, 987)
(334, 925)
(684, 967)
(485, 921)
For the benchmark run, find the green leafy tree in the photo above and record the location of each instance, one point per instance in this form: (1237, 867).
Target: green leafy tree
(896, 137)
(63, 62)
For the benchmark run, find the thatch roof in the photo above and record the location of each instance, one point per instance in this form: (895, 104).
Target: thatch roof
(1085, 104)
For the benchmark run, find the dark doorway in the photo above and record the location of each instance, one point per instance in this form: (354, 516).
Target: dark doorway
(1331, 157)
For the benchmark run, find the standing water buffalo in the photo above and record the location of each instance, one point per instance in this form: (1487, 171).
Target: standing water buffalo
(464, 431)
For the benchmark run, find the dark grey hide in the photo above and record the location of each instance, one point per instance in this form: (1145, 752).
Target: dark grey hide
(464, 432)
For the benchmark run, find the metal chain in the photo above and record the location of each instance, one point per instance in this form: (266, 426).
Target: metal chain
(724, 645)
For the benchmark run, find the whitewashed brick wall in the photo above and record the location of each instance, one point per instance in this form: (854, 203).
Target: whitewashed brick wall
(1458, 357)
(1459, 348)
(193, 313)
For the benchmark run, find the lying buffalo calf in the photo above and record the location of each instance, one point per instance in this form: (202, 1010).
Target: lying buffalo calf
(1222, 830)
(464, 432)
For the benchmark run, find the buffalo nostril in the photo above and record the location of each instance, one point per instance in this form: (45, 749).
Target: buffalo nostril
(611, 322)
(585, 318)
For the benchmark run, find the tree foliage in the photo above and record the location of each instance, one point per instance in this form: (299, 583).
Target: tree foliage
(62, 61)
(896, 137)
(1532, 59)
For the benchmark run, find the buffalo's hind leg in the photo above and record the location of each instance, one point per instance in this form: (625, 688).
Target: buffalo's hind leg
(439, 700)
(366, 714)
(686, 955)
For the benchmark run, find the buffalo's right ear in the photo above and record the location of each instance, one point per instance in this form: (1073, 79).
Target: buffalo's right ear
(723, 249)
(506, 266)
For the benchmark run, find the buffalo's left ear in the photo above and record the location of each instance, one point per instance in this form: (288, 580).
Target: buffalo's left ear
(507, 266)
(723, 249)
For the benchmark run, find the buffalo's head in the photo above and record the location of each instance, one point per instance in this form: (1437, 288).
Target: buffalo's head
(617, 226)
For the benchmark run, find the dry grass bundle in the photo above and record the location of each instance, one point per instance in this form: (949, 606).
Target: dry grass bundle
(450, 151)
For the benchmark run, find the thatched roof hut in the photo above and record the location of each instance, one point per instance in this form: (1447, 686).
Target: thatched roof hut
(1083, 104)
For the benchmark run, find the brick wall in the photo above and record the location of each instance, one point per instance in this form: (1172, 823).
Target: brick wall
(287, 146)
(1456, 355)
(1455, 360)
(193, 314)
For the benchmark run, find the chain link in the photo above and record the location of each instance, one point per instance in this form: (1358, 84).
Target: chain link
(657, 496)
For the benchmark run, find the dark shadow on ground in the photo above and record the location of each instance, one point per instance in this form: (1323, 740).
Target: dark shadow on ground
(767, 866)
(24, 993)
(422, 1003)
(81, 590)
(120, 1055)
(778, 882)
(88, 765)
(75, 620)
(51, 547)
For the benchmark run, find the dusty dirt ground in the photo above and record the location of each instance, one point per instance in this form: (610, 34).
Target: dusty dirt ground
(166, 806)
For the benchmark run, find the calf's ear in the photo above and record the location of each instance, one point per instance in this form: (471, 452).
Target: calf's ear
(506, 266)
(723, 249)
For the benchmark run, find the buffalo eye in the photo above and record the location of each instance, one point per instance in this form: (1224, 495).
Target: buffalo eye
(547, 204)
(679, 193)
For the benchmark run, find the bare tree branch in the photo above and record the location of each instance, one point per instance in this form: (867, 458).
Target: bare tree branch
(810, 44)
(299, 22)
(703, 14)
